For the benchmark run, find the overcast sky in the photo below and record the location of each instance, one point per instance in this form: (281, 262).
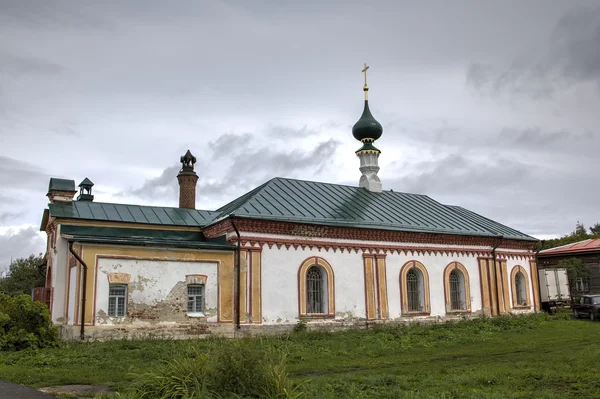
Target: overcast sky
(491, 106)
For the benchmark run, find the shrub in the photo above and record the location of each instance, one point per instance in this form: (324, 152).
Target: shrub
(25, 324)
(300, 326)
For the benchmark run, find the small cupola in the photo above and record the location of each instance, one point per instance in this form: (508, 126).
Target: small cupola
(85, 190)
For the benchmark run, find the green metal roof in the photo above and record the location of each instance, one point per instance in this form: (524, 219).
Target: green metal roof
(61, 184)
(147, 237)
(333, 204)
(308, 202)
(86, 182)
(131, 213)
(491, 225)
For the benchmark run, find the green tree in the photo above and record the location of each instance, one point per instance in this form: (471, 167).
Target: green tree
(25, 274)
(580, 230)
(579, 234)
(576, 269)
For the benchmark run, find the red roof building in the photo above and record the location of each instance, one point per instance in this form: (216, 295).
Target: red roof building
(588, 251)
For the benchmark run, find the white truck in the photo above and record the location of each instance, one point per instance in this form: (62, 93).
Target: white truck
(554, 289)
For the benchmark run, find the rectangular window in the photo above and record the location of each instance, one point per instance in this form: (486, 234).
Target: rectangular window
(195, 299)
(581, 284)
(117, 299)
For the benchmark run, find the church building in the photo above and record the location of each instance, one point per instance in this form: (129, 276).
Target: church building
(289, 251)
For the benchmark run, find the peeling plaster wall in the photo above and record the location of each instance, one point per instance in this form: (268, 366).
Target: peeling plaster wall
(280, 283)
(157, 291)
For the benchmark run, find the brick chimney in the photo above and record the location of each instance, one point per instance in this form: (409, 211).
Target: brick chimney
(61, 190)
(187, 179)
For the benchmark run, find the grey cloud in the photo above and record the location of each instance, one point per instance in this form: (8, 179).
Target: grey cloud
(139, 81)
(249, 169)
(228, 142)
(439, 135)
(67, 128)
(16, 174)
(283, 132)
(243, 169)
(6, 217)
(457, 172)
(19, 66)
(529, 197)
(20, 244)
(163, 186)
(52, 14)
(569, 55)
(577, 36)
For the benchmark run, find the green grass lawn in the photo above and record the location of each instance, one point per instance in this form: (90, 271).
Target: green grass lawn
(513, 357)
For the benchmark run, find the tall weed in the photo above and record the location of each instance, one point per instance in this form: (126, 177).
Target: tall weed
(228, 369)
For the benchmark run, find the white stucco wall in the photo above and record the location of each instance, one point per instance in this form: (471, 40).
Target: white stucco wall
(59, 279)
(435, 266)
(157, 291)
(280, 283)
(72, 292)
(510, 264)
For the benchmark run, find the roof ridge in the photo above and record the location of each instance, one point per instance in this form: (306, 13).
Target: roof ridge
(569, 244)
(239, 201)
(390, 191)
(135, 205)
(454, 208)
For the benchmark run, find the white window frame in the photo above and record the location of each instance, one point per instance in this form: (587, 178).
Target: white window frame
(116, 299)
(194, 312)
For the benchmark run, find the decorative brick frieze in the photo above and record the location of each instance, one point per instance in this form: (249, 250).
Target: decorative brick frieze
(218, 229)
(378, 250)
(358, 234)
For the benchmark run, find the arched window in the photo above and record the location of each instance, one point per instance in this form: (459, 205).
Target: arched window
(414, 289)
(520, 288)
(456, 287)
(315, 288)
(457, 291)
(414, 284)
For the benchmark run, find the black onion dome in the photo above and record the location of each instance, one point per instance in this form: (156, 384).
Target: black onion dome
(367, 127)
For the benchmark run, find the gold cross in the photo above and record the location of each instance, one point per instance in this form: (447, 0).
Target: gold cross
(365, 72)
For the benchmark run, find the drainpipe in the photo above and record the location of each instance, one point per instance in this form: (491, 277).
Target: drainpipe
(84, 290)
(537, 262)
(236, 300)
(494, 264)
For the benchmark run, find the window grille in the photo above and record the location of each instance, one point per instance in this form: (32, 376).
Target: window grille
(520, 288)
(195, 299)
(117, 295)
(314, 290)
(456, 300)
(413, 290)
